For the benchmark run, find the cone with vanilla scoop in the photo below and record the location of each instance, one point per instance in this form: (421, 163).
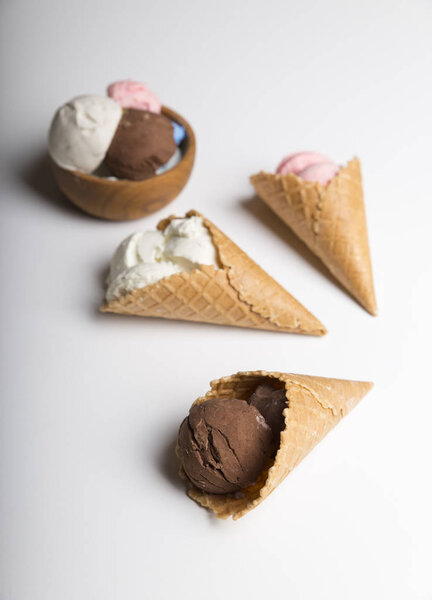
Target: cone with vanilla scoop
(189, 270)
(323, 205)
(251, 429)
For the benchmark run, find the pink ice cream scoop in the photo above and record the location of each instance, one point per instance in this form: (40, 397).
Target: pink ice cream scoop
(133, 94)
(309, 166)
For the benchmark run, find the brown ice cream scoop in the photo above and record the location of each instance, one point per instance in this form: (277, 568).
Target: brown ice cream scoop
(270, 402)
(223, 445)
(142, 142)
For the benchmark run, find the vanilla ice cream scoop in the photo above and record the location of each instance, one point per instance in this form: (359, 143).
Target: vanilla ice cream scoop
(188, 243)
(137, 248)
(81, 132)
(146, 257)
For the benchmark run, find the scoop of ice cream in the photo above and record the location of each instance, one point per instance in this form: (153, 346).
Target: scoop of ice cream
(295, 163)
(146, 257)
(224, 444)
(309, 166)
(139, 276)
(189, 244)
(81, 132)
(270, 402)
(321, 172)
(134, 94)
(140, 247)
(143, 142)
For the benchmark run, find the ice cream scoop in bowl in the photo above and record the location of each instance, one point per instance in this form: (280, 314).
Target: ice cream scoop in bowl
(91, 132)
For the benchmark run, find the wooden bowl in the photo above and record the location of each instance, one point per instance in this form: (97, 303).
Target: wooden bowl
(124, 200)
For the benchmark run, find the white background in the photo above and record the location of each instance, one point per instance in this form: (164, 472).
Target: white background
(90, 504)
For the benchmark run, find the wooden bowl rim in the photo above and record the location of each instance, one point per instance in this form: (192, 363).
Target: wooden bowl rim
(162, 177)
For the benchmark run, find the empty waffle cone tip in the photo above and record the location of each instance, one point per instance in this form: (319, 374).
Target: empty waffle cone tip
(330, 220)
(314, 406)
(238, 293)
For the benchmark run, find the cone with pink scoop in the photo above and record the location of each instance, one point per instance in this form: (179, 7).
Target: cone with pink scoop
(222, 442)
(324, 206)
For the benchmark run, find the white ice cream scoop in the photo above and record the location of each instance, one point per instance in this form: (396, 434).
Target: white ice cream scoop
(81, 132)
(147, 257)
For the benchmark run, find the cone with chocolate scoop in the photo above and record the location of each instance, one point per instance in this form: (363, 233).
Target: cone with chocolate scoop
(314, 405)
(330, 220)
(238, 293)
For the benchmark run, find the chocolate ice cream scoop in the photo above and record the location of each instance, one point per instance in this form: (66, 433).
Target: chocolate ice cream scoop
(224, 444)
(270, 402)
(142, 142)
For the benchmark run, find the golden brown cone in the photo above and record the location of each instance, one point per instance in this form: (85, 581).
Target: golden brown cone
(330, 220)
(314, 406)
(239, 293)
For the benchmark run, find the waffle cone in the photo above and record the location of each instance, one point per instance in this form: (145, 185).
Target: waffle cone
(330, 220)
(239, 293)
(314, 406)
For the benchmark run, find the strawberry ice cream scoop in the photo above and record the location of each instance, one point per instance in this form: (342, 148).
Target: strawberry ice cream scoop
(133, 94)
(320, 172)
(309, 166)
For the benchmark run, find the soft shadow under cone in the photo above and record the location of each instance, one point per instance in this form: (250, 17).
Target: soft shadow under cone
(330, 220)
(239, 293)
(314, 406)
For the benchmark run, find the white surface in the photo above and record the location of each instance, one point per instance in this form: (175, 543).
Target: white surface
(90, 505)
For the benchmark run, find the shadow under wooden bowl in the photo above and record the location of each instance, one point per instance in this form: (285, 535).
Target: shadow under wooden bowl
(125, 200)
